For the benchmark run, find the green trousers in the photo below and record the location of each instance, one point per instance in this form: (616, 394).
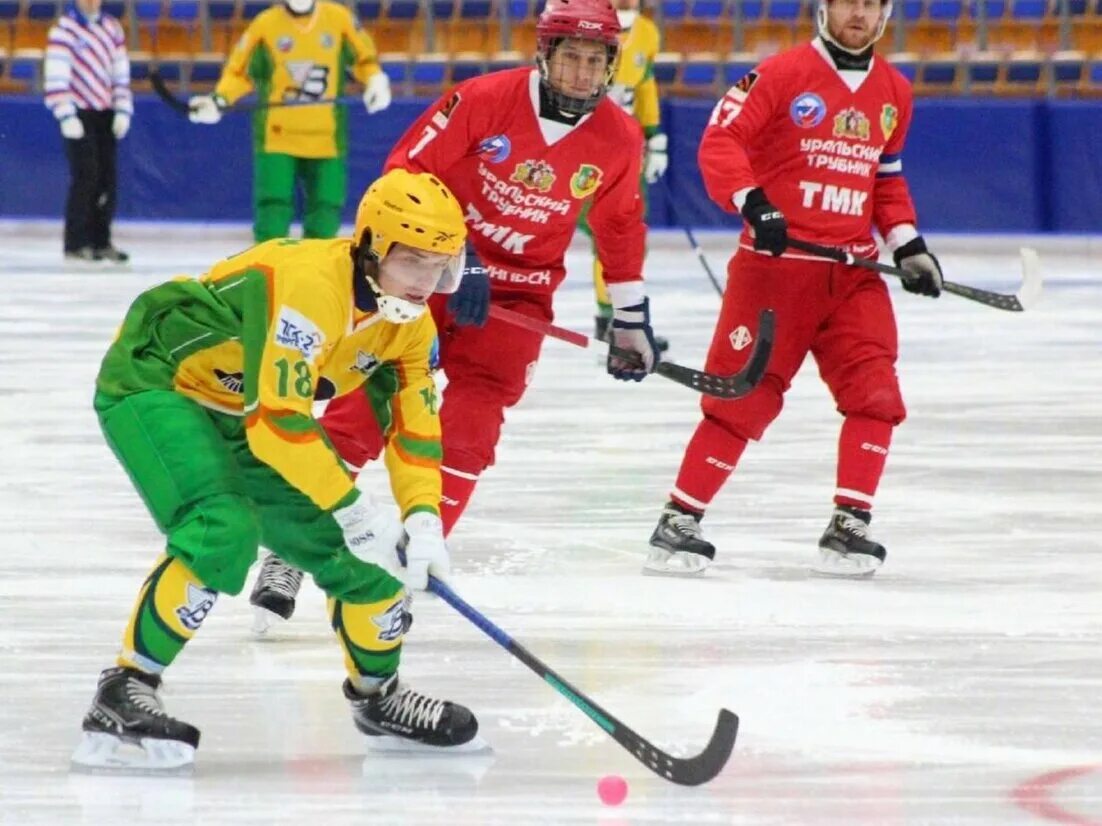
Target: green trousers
(324, 186)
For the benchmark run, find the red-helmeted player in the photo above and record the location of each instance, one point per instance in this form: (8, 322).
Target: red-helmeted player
(808, 143)
(523, 150)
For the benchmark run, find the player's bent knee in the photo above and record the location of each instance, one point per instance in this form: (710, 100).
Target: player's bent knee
(218, 539)
(746, 418)
(880, 400)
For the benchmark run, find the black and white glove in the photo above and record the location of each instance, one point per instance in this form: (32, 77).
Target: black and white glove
(770, 227)
(924, 271)
(631, 330)
(657, 159)
(470, 304)
(206, 109)
(371, 533)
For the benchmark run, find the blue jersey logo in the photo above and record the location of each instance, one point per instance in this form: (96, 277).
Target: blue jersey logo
(495, 149)
(807, 110)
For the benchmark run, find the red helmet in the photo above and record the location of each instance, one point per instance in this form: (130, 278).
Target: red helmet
(585, 20)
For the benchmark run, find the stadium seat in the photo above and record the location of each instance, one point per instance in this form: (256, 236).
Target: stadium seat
(252, 8)
(25, 69)
(748, 10)
(1024, 75)
(912, 9)
(665, 67)
(1067, 70)
(983, 71)
(938, 75)
(442, 9)
(396, 66)
(466, 65)
(205, 70)
(9, 9)
(907, 63)
(789, 10)
(1092, 77)
(736, 66)
(476, 9)
(429, 73)
(403, 9)
(506, 60)
(949, 11)
(369, 10)
(140, 65)
(707, 9)
(673, 10)
(185, 10)
(699, 75)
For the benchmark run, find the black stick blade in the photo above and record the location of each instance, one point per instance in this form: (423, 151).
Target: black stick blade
(165, 94)
(687, 771)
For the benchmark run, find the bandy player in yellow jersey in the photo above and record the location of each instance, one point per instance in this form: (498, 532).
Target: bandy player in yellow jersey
(205, 397)
(635, 90)
(294, 52)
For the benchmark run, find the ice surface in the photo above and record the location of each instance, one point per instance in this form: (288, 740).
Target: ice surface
(961, 685)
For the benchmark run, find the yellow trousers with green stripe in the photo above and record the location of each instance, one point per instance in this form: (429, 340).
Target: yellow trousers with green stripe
(216, 503)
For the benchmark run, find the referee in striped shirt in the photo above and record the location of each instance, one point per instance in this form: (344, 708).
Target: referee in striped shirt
(88, 91)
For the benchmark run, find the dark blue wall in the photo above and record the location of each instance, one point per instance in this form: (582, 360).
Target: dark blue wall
(973, 165)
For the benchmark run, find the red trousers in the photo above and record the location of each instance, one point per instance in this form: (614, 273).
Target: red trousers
(842, 315)
(487, 369)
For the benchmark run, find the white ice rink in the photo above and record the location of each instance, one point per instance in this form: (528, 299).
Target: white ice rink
(962, 685)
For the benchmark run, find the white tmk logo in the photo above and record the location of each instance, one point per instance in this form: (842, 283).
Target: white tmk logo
(740, 337)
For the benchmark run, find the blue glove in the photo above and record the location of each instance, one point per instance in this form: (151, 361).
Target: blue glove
(631, 330)
(470, 304)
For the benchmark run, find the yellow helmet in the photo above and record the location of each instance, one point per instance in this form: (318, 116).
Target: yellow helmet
(416, 210)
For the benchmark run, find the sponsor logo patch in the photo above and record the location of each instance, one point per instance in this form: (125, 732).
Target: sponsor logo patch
(295, 331)
(807, 110)
(740, 337)
(889, 119)
(537, 175)
(392, 623)
(285, 44)
(851, 123)
(366, 363)
(234, 382)
(585, 181)
(495, 149)
(199, 603)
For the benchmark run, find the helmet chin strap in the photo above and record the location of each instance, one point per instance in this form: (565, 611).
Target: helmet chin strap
(824, 30)
(626, 17)
(393, 309)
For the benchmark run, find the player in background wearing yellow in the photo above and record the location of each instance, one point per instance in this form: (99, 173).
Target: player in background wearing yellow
(206, 397)
(635, 90)
(295, 52)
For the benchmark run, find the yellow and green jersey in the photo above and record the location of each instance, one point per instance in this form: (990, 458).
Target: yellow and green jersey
(290, 59)
(634, 87)
(262, 335)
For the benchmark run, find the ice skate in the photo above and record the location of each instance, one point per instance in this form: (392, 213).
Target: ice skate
(846, 549)
(677, 547)
(127, 728)
(273, 596)
(397, 718)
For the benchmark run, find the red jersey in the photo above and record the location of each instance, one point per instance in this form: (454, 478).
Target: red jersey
(825, 146)
(523, 180)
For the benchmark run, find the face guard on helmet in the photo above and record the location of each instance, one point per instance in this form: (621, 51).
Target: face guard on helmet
(592, 20)
(409, 242)
(299, 8)
(824, 28)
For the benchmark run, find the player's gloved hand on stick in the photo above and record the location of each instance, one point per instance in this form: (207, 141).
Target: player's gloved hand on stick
(120, 125)
(770, 227)
(371, 533)
(71, 128)
(206, 109)
(377, 93)
(925, 271)
(425, 551)
(470, 304)
(657, 159)
(631, 330)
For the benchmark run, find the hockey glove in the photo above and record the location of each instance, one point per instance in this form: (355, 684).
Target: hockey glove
(71, 128)
(657, 160)
(426, 552)
(377, 93)
(206, 109)
(770, 227)
(120, 125)
(470, 304)
(371, 533)
(925, 271)
(631, 330)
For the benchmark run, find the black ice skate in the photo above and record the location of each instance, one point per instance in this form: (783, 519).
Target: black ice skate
(846, 549)
(677, 547)
(126, 727)
(274, 594)
(397, 718)
(111, 255)
(603, 322)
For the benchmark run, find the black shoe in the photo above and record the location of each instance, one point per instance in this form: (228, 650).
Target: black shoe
(276, 587)
(111, 255)
(84, 255)
(127, 711)
(602, 323)
(678, 546)
(845, 548)
(392, 709)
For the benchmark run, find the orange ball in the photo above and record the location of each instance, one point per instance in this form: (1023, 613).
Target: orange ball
(612, 789)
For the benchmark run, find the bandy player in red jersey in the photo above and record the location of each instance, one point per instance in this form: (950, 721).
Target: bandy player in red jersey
(523, 150)
(809, 143)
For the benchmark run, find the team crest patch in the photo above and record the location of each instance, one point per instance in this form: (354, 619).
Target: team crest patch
(296, 332)
(585, 181)
(889, 119)
(740, 337)
(327, 41)
(199, 603)
(392, 623)
(851, 123)
(537, 175)
(233, 382)
(449, 107)
(285, 44)
(807, 110)
(366, 363)
(495, 149)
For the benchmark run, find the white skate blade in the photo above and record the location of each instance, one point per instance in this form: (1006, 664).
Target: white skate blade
(678, 563)
(264, 620)
(99, 750)
(846, 566)
(384, 743)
